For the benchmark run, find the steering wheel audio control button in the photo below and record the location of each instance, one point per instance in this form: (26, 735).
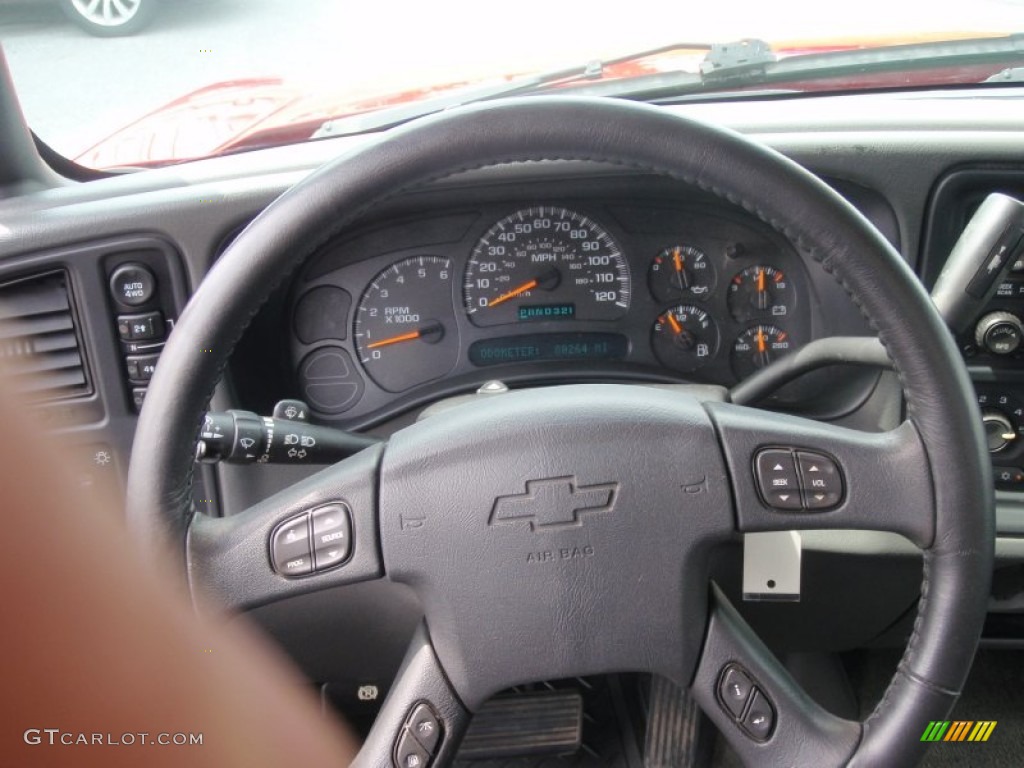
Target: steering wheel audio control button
(332, 535)
(419, 738)
(409, 753)
(820, 480)
(425, 728)
(734, 690)
(290, 547)
(777, 479)
(760, 718)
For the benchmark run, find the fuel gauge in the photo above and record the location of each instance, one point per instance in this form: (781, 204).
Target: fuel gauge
(760, 291)
(684, 338)
(681, 271)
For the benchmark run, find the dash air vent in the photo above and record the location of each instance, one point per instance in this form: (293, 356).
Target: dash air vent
(39, 345)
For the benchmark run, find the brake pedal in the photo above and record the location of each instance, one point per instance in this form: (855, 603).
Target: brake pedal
(520, 724)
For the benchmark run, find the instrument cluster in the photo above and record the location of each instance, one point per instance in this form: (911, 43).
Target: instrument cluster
(576, 291)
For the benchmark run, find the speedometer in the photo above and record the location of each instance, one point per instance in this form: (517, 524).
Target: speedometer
(546, 264)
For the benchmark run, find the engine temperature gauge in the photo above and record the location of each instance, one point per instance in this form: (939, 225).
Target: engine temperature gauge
(679, 271)
(684, 338)
(758, 346)
(760, 291)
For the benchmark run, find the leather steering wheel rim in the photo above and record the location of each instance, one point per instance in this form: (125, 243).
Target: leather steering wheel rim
(958, 541)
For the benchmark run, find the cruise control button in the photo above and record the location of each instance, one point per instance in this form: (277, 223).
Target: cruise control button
(820, 480)
(425, 727)
(734, 690)
(760, 718)
(409, 753)
(291, 549)
(332, 535)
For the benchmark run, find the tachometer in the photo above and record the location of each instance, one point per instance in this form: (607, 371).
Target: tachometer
(545, 264)
(405, 325)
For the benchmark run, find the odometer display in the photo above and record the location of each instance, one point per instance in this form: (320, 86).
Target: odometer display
(545, 257)
(531, 348)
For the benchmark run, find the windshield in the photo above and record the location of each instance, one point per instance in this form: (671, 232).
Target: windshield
(146, 82)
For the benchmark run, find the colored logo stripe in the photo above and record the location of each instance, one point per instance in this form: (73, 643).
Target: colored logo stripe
(935, 731)
(982, 730)
(958, 730)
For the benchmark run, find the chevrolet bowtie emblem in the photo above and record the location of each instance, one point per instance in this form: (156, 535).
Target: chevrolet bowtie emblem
(555, 502)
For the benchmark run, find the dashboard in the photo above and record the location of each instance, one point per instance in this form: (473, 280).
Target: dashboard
(593, 284)
(599, 268)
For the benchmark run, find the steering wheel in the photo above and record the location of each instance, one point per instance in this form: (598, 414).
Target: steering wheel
(567, 530)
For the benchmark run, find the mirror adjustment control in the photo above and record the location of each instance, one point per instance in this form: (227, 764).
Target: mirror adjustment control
(290, 547)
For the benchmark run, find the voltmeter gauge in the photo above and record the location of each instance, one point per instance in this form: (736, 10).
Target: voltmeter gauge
(761, 292)
(684, 338)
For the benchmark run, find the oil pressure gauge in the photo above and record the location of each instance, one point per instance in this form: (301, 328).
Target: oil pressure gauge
(681, 271)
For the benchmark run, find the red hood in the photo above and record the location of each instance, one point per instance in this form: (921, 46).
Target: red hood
(255, 112)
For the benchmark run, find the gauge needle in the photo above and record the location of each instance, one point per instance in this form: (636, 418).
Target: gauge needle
(674, 323)
(514, 292)
(678, 260)
(761, 346)
(760, 281)
(395, 339)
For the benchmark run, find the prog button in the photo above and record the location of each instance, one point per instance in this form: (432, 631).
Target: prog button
(290, 547)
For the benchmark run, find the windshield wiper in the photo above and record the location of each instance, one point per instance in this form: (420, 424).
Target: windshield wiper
(377, 120)
(764, 70)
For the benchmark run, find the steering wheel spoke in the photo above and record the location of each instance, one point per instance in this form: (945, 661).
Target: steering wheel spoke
(422, 721)
(791, 473)
(765, 715)
(319, 533)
